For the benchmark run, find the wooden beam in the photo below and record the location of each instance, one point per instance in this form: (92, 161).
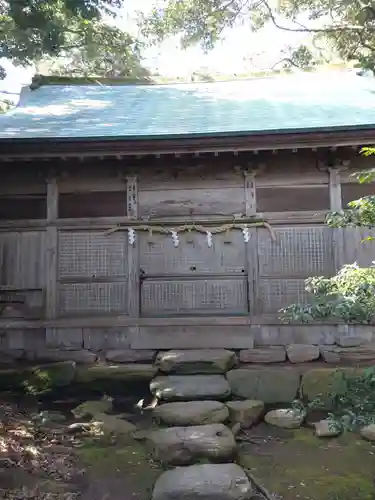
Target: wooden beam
(94, 321)
(51, 248)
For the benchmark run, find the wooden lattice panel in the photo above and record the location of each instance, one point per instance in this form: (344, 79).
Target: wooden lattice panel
(296, 252)
(357, 247)
(275, 294)
(81, 298)
(92, 254)
(218, 296)
(158, 255)
(22, 259)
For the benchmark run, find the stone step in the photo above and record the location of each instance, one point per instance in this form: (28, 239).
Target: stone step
(191, 413)
(189, 445)
(206, 482)
(190, 387)
(196, 361)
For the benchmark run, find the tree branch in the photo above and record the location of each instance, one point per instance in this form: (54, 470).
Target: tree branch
(305, 29)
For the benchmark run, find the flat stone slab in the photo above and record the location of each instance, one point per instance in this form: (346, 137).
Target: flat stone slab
(271, 385)
(302, 353)
(196, 361)
(191, 413)
(204, 482)
(189, 445)
(190, 387)
(274, 354)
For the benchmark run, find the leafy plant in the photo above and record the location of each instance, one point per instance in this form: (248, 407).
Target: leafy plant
(349, 296)
(353, 406)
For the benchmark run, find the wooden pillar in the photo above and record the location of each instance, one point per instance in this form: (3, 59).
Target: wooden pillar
(250, 194)
(51, 248)
(252, 245)
(335, 190)
(134, 285)
(336, 206)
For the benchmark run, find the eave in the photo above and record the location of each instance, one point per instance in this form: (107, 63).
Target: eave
(46, 148)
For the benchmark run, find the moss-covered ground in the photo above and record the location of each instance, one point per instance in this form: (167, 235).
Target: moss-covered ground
(117, 470)
(297, 465)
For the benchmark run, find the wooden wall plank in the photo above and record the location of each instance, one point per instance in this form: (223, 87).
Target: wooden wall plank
(23, 263)
(192, 202)
(250, 194)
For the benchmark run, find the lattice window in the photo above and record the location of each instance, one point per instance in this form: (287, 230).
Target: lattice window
(296, 252)
(91, 298)
(226, 296)
(92, 254)
(275, 294)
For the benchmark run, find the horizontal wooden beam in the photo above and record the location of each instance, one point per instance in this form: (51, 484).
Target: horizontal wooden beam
(113, 148)
(120, 321)
(124, 222)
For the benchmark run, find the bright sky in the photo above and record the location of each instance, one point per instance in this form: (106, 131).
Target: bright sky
(240, 51)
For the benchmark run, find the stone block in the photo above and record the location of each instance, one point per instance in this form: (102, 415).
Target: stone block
(271, 385)
(330, 354)
(196, 361)
(190, 387)
(206, 482)
(320, 382)
(81, 356)
(123, 373)
(300, 353)
(129, 356)
(246, 413)
(271, 354)
(191, 413)
(189, 445)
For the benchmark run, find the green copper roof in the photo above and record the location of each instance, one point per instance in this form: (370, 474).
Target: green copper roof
(305, 102)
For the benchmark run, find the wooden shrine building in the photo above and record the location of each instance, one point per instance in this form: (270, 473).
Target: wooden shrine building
(175, 216)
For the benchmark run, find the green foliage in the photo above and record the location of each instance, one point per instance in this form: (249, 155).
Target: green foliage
(33, 31)
(354, 406)
(349, 296)
(346, 26)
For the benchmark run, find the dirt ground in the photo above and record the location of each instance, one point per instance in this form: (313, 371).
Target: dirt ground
(48, 462)
(296, 465)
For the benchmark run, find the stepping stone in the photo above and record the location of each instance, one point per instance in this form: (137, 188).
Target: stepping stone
(196, 361)
(191, 413)
(288, 418)
(190, 387)
(188, 445)
(206, 482)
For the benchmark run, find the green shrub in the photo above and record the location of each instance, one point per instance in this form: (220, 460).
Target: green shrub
(349, 297)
